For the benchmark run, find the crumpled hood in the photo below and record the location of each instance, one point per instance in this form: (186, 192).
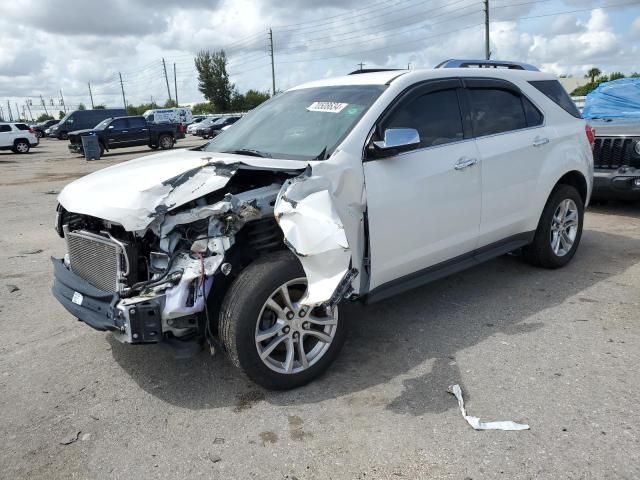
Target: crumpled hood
(134, 193)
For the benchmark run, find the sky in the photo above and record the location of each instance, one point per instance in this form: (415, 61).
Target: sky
(53, 46)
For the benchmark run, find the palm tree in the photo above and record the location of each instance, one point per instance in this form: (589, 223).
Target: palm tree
(593, 74)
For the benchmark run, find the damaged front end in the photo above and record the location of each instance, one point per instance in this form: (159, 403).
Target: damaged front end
(158, 271)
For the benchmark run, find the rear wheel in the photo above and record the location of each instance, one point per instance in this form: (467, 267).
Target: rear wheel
(21, 146)
(39, 134)
(268, 334)
(559, 230)
(165, 142)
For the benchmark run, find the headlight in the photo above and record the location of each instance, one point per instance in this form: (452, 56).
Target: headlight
(637, 147)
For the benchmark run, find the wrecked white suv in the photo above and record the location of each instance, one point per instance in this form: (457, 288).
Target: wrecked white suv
(357, 187)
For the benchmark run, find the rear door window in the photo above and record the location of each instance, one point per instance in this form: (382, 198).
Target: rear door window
(5, 128)
(137, 122)
(435, 115)
(533, 115)
(120, 124)
(496, 111)
(556, 92)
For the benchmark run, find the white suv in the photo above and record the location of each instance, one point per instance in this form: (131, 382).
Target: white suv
(18, 137)
(356, 187)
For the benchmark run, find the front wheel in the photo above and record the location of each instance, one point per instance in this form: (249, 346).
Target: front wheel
(559, 230)
(63, 136)
(266, 331)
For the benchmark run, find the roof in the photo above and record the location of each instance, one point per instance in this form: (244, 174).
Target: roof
(386, 77)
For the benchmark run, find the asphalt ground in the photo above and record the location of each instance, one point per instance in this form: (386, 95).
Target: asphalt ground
(558, 350)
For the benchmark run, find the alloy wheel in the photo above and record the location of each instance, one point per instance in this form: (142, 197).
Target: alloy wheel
(289, 337)
(564, 227)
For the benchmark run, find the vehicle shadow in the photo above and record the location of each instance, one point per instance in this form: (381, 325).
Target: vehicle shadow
(396, 337)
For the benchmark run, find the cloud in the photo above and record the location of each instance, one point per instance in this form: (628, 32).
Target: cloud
(48, 46)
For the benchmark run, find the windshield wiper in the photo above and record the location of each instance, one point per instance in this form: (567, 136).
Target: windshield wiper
(322, 155)
(250, 152)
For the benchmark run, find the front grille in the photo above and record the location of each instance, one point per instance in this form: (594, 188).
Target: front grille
(613, 152)
(99, 260)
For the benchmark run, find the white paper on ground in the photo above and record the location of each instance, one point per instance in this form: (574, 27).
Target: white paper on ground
(475, 421)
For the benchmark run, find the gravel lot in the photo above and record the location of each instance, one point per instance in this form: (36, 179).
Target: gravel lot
(556, 349)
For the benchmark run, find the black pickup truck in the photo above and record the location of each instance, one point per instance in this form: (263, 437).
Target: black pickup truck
(123, 132)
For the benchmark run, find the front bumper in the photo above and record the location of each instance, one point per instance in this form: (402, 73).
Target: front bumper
(616, 184)
(131, 320)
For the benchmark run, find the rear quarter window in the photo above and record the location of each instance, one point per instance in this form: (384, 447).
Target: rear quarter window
(556, 92)
(22, 126)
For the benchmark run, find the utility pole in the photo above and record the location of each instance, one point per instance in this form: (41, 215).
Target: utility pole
(28, 102)
(487, 51)
(164, 65)
(44, 105)
(124, 100)
(273, 67)
(10, 114)
(63, 104)
(90, 95)
(175, 82)
(361, 65)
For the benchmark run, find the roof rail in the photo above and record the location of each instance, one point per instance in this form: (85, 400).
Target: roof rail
(455, 63)
(373, 70)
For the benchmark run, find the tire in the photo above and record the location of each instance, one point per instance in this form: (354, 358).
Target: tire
(39, 134)
(549, 248)
(63, 136)
(243, 315)
(153, 147)
(165, 142)
(21, 146)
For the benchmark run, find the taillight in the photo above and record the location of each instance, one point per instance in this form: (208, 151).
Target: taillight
(591, 135)
(31, 130)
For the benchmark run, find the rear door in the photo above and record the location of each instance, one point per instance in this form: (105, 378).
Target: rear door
(138, 131)
(423, 206)
(6, 137)
(512, 141)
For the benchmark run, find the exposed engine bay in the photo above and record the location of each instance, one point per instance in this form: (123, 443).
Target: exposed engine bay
(167, 277)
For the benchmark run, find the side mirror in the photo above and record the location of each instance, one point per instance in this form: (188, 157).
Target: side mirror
(396, 140)
(110, 127)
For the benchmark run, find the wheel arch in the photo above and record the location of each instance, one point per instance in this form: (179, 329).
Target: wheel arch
(21, 139)
(577, 180)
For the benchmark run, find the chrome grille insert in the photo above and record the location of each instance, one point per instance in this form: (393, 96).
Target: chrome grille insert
(99, 260)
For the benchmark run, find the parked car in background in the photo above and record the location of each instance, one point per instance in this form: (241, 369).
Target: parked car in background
(203, 121)
(613, 110)
(124, 132)
(169, 115)
(17, 137)
(41, 128)
(47, 132)
(212, 129)
(357, 187)
(83, 119)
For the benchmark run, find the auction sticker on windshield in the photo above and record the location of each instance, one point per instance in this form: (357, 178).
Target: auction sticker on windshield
(329, 107)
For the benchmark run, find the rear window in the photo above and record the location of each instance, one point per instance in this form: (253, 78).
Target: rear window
(22, 126)
(555, 91)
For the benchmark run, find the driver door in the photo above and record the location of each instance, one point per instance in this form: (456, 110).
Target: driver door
(424, 205)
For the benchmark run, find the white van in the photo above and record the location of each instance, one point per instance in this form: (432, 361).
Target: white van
(169, 115)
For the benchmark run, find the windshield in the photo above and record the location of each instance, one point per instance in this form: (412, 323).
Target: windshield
(306, 124)
(219, 121)
(103, 124)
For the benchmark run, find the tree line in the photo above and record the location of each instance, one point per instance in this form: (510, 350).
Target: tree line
(596, 78)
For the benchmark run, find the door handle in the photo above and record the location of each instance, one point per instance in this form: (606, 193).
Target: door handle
(465, 162)
(540, 141)
(125, 131)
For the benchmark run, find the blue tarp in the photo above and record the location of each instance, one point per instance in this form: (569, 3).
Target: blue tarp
(617, 99)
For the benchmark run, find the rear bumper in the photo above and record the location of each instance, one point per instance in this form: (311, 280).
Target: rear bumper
(616, 184)
(132, 322)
